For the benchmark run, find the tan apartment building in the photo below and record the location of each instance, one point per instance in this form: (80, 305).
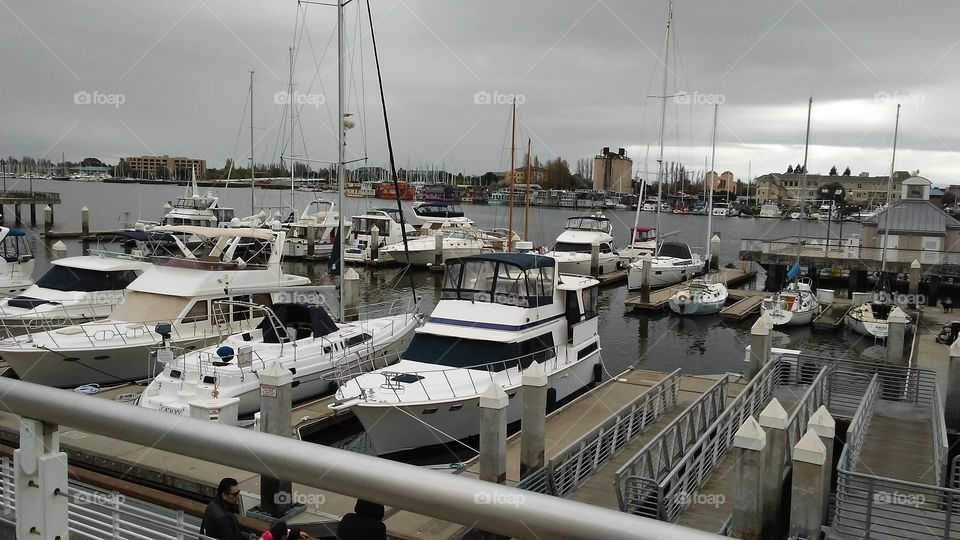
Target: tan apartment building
(863, 190)
(722, 182)
(538, 175)
(159, 167)
(612, 171)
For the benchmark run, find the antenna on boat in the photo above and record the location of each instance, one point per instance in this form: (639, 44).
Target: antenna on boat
(888, 213)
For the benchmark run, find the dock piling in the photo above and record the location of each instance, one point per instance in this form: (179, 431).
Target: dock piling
(823, 424)
(774, 420)
(47, 218)
(896, 336)
(933, 292)
(750, 449)
(311, 242)
(58, 250)
(438, 251)
(715, 251)
(351, 294)
(534, 419)
(16, 215)
(374, 243)
(807, 494)
(914, 280)
(276, 399)
(595, 258)
(760, 345)
(40, 481)
(33, 215)
(645, 277)
(952, 406)
(85, 221)
(493, 434)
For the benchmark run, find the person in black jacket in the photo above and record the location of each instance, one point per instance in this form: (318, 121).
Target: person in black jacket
(364, 523)
(220, 517)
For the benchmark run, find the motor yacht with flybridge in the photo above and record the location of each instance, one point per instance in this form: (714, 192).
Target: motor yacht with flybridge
(573, 247)
(16, 266)
(498, 313)
(359, 241)
(673, 263)
(173, 298)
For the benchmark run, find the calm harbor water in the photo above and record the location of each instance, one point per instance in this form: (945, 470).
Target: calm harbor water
(658, 341)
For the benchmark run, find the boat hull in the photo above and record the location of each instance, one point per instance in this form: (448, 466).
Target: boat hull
(427, 257)
(661, 277)
(690, 307)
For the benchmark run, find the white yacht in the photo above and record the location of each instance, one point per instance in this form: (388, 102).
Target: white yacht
(321, 215)
(674, 263)
(75, 290)
(699, 297)
(649, 206)
(643, 242)
(173, 297)
(387, 221)
(498, 314)
(720, 210)
(458, 237)
(16, 266)
(301, 336)
(769, 210)
(797, 305)
(573, 247)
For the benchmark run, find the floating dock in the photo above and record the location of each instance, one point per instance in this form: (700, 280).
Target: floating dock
(832, 317)
(746, 303)
(660, 297)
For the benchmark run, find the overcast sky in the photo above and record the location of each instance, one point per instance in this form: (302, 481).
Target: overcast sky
(171, 77)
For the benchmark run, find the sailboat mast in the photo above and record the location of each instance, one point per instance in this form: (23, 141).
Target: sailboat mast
(341, 149)
(713, 155)
(253, 210)
(513, 151)
(290, 103)
(526, 209)
(803, 176)
(888, 213)
(663, 114)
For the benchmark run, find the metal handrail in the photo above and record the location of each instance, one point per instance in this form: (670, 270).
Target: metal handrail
(811, 400)
(573, 465)
(857, 431)
(941, 445)
(658, 457)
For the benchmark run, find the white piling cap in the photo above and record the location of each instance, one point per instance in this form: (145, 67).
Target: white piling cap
(374, 230)
(897, 316)
(715, 239)
(494, 397)
(351, 274)
(535, 376)
(774, 416)
(915, 264)
(84, 209)
(809, 449)
(750, 436)
(822, 423)
(59, 246)
(955, 349)
(274, 375)
(762, 326)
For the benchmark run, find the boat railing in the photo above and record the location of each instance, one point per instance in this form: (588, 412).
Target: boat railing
(57, 315)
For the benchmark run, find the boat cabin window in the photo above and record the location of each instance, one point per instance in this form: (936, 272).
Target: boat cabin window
(673, 249)
(191, 203)
(642, 235)
(363, 225)
(499, 282)
(591, 301)
(605, 248)
(62, 278)
(197, 313)
(539, 349)
(457, 352)
(357, 339)
(587, 223)
(15, 247)
(140, 306)
(570, 247)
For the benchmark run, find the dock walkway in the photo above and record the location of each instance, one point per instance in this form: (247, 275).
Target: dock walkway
(832, 317)
(659, 297)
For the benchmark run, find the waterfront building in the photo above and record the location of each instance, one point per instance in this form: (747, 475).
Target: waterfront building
(913, 222)
(612, 171)
(863, 190)
(159, 167)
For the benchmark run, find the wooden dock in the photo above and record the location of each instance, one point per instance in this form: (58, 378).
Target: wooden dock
(613, 278)
(832, 317)
(660, 297)
(744, 306)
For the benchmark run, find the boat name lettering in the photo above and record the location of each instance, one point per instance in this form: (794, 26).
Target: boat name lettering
(171, 410)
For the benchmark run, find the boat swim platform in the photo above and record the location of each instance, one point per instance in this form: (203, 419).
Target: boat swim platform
(660, 297)
(565, 426)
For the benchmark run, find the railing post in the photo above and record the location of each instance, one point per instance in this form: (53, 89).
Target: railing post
(823, 424)
(774, 419)
(808, 500)
(750, 445)
(40, 479)
(275, 410)
(533, 421)
(760, 344)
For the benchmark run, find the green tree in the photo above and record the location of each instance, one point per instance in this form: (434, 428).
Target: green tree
(833, 170)
(789, 169)
(846, 172)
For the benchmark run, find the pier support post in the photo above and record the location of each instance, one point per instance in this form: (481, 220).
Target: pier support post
(896, 336)
(645, 276)
(276, 400)
(858, 281)
(40, 482)
(33, 214)
(914, 281)
(952, 407)
(438, 251)
(47, 218)
(933, 291)
(774, 420)
(311, 242)
(775, 273)
(807, 500)
(85, 221)
(823, 424)
(595, 258)
(58, 250)
(760, 344)
(534, 420)
(493, 434)
(750, 445)
(351, 294)
(374, 243)
(715, 252)
(16, 215)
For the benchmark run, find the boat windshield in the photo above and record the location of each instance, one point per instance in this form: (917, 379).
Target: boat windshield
(498, 282)
(588, 224)
(63, 278)
(457, 352)
(140, 306)
(15, 247)
(199, 203)
(363, 225)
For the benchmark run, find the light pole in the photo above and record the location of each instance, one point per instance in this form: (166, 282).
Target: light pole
(838, 194)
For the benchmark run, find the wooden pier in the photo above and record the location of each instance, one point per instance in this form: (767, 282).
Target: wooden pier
(746, 303)
(32, 198)
(832, 317)
(660, 297)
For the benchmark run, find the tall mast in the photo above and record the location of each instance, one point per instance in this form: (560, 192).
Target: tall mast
(663, 114)
(513, 150)
(291, 104)
(341, 142)
(713, 155)
(888, 213)
(526, 210)
(253, 210)
(803, 176)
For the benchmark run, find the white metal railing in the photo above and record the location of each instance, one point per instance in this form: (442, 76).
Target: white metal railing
(811, 400)
(941, 445)
(583, 457)
(99, 514)
(860, 425)
(840, 250)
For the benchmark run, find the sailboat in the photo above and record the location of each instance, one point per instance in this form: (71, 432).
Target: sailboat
(703, 296)
(872, 318)
(797, 304)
